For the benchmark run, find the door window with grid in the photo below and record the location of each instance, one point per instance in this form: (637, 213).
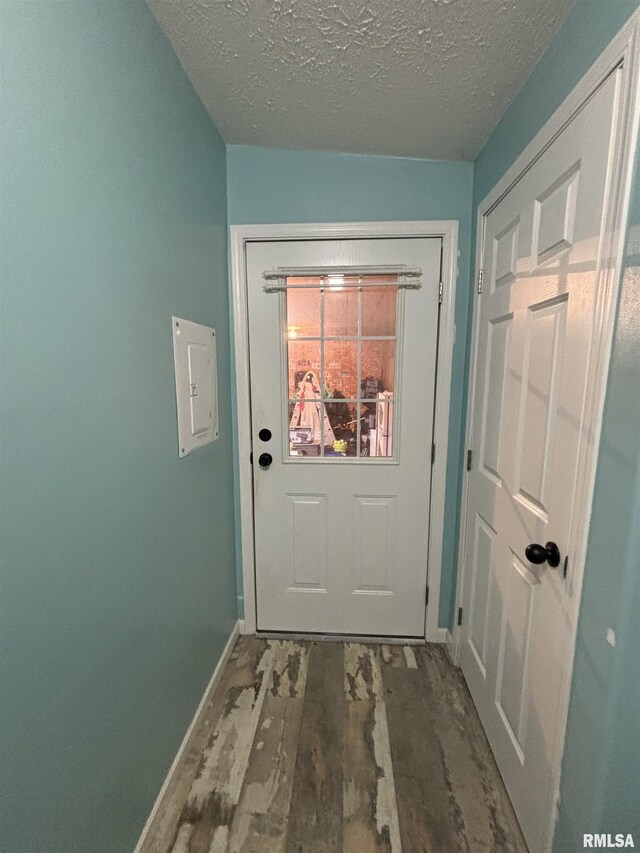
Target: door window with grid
(341, 343)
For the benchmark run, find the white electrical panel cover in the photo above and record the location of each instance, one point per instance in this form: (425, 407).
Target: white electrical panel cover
(194, 357)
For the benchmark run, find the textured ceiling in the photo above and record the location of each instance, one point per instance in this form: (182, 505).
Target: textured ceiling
(421, 78)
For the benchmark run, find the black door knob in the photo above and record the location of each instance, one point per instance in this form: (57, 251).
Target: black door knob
(538, 554)
(264, 460)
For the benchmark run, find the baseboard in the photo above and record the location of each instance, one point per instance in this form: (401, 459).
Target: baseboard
(242, 627)
(445, 637)
(452, 648)
(208, 693)
(441, 636)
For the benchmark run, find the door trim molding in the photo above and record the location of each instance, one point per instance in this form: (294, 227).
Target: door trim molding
(240, 235)
(623, 51)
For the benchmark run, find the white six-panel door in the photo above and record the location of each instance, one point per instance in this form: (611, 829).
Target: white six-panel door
(541, 257)
(341, 542)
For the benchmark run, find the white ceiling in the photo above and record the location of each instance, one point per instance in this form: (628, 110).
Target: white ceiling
(419, 78)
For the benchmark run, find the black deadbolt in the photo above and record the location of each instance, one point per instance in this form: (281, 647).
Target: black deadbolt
(538, 554)
(264, 460)
(264, 434)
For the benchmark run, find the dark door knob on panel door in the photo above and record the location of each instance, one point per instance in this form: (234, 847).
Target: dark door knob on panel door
(264, 434)
(264, 460)
(538, 554)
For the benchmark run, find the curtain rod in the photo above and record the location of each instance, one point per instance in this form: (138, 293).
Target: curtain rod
(335, 277)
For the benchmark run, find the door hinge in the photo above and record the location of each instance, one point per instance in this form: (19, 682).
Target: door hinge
(459, 615)
(480, 280)
(426, 598)
(433, 453)
(440, 293)
(251, 457)
(469, 459)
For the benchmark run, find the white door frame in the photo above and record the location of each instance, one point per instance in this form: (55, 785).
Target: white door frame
(243, 234)
(623, 50)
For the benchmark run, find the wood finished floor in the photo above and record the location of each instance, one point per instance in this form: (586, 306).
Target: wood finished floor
(321, 747)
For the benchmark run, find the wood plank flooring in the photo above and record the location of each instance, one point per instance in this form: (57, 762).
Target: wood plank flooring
(328, 747)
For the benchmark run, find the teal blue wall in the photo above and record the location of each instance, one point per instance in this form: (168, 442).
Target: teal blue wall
(276, 186)
(599, 791)
(586, 32)
(117, 576)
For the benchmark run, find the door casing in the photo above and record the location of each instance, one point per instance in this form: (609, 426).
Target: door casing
(240, 235)
(624, 50)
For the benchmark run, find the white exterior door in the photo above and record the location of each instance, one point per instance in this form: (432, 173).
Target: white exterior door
(342, 389)
(535, 326)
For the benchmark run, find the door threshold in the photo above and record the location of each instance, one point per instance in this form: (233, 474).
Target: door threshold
(341, 638)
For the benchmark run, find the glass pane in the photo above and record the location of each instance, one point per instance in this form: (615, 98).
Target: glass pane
(341, 369)
(340, 312)
(379, 310)
(305, 427)
(378, 368)
(303, 312)
(378, 439)
(303, 359)
(342, 417)
(341, 432)
(309, 426)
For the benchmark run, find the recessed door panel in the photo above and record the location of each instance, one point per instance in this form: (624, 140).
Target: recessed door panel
(308, 537)
(544, 350)
(505, 255)
(481, 594)
(374, 542)
(555, 215)
(498, 345)
(519, 587)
